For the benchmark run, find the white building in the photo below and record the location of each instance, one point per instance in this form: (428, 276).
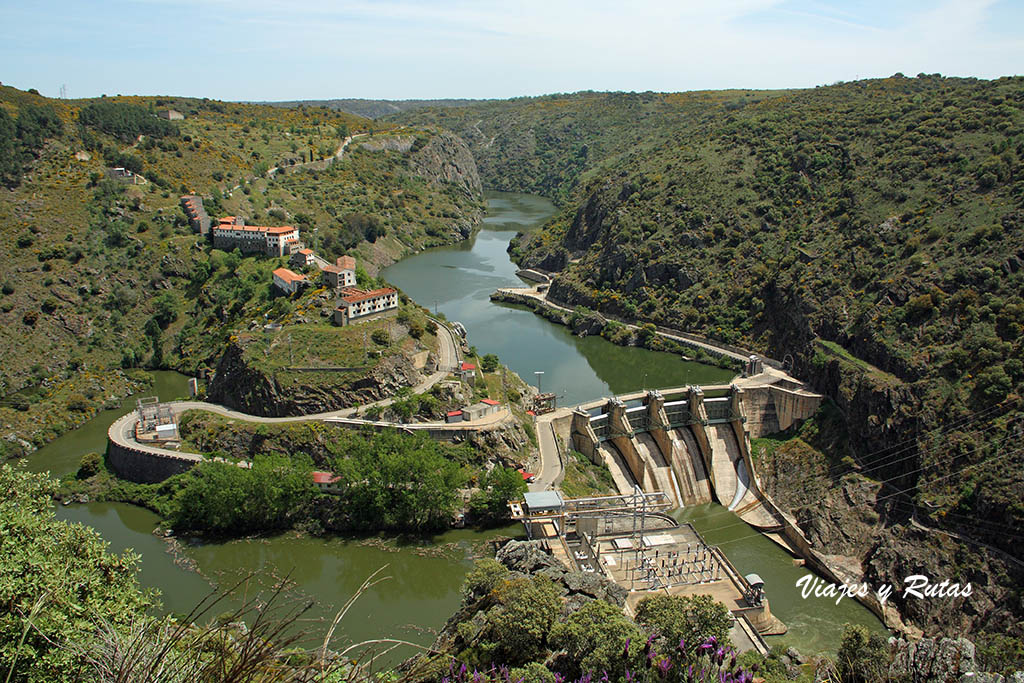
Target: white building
(356, 304)
(343, 274)
(287, 281)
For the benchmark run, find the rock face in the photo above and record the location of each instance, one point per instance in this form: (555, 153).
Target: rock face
(932, 660)
(447, 159)
(529, 559)
(240, 386)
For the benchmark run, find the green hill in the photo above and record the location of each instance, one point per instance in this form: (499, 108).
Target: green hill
(871, 231)
(102, 277)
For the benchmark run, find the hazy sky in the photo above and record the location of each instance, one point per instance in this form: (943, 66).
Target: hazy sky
(401, 49)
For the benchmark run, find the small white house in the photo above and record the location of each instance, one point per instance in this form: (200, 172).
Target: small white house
(289, 282)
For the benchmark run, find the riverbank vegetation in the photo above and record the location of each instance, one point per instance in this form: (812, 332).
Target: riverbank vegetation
(382, 481)
(511, 625)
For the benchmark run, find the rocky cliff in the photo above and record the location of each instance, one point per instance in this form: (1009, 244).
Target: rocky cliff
(446, 159)
(240, 385)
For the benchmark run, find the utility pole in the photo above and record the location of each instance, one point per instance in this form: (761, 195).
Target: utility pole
(539, 374)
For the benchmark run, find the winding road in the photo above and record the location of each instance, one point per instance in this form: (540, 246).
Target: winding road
(122, 431)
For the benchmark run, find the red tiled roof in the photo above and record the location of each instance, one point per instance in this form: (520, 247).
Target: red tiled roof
(467, 366)
(454, 413)
(346, 263)
(490, 401)
(355, 298)
(526, 475)
(306, 252)
(289, 276)
(325, 478)
(279, 230)
(331, 269)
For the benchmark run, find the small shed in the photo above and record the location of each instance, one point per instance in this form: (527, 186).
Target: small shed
(453, 416)
(544, 502)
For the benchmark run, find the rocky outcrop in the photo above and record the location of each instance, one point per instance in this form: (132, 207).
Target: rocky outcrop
(932, 660)
(501, 443)
(447, 159)
(239, 385)
(529, 559)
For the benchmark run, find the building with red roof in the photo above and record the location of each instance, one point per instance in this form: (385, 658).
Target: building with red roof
(342, 274)
(326, 481)
(302, 258)
(231, 232)
(289, 282)
(355, 304)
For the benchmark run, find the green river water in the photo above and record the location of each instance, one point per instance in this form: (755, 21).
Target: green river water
(425, 575)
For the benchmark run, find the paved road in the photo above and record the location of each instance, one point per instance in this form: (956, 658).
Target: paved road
(542, 296)
(123, 430)
(550, 460)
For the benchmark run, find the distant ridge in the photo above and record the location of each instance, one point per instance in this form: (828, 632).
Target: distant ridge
(373, 109)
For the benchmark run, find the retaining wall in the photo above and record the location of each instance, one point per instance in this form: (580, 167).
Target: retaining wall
(144, 467)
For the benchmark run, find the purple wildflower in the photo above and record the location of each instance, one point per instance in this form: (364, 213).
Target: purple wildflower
(625, 652)
(682, 645)
(604, 678)
(663, 666)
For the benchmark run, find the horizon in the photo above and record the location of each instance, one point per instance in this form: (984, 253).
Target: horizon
(264, 51)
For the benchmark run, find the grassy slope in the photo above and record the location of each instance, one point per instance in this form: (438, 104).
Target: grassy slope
(96, 260)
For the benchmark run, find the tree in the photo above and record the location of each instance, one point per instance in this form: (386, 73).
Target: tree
(500, 485)
(691, 619)
(222, 498)
(59, 576)
(594, 637)
(165, 309)
(489, 363)
(862, 655)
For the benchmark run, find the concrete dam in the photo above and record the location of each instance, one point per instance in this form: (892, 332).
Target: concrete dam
(693, 443)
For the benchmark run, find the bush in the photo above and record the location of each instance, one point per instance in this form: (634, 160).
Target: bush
(691, 619)
(89, 465)
(78, 403)
(862, 656)
(482, 579)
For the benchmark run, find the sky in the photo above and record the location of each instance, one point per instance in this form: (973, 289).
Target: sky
(259, 50)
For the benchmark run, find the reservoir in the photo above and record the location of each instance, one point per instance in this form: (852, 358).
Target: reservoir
(425, 575)
(458, 280)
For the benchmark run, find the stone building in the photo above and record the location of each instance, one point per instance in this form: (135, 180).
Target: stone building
(196, 213)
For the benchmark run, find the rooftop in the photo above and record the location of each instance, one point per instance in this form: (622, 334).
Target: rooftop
(346, 263)
(289, 276)
(325, 478)
(490, 402)
(356, 296)
(543, 500)
(467, 366)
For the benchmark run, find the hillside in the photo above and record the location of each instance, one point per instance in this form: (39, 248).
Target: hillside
(372, 109)
(102, 277)
(871, 232)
